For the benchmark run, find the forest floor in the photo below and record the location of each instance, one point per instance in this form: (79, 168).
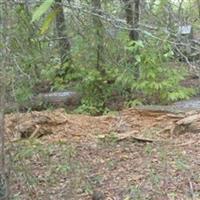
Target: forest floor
(134, 154)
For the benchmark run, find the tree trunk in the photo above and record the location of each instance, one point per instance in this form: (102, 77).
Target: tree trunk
(99, 36)
(4, 64)
(25, 19)
(198, 7)
(132, 10)
(64, 42)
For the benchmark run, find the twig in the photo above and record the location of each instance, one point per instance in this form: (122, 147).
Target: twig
(191, 189)
(131, 136)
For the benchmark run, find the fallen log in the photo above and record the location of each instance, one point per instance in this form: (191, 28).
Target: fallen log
(58, 99)
(65, 99)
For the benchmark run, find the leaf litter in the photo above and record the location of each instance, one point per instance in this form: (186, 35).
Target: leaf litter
(133, 154)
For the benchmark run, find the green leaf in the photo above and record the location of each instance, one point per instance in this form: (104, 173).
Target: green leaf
(49, 19)
(1, 45)
(138, 58)
(139, 43)
(148, 33)
(41, 10)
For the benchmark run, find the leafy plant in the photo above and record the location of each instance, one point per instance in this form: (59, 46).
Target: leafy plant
(96, 91)
(158, 81)
(41, 10)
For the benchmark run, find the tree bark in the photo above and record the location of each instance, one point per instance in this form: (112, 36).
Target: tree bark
(198, 7)
(99, 36)
(132, 10)
(64, 42)
(5, 62)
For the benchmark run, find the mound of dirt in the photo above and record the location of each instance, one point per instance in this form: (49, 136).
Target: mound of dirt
(136, 124)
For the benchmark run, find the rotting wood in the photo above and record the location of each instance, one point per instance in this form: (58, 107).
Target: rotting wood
(130, 137)
(66, 99)
(188, 124)
(131, 126)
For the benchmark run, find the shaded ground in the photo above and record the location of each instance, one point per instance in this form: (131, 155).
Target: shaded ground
(132, 154)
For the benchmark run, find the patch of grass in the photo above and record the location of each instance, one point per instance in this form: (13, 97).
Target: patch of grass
(109, 139)
(155, 178)
(34, 162)
(112, 164)
(134, 193)
(149, 149)
(172, 196)
(96, 180)
(181, 165)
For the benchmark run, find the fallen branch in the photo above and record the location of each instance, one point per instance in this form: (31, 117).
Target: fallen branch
(130, 136)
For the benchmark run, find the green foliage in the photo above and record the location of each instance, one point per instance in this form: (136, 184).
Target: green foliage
(132, 103)
(109, 139)
(96, 91)
(90, 107)
(41, 10)
(36, 57)
(48, 20)
(32, 59)
(23, 93)
(96, 88)
(158, 82)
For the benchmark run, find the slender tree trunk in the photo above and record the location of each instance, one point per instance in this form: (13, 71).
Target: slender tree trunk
(30, 31)
(180, 10)
(132, 10)
(64, 42)
(136, 20)
(132, 17)
(4, 63)
(99, 36)
(198, 7)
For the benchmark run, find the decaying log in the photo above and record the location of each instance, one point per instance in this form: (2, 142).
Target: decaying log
(38, 124)
(66, 99)
(188, 124)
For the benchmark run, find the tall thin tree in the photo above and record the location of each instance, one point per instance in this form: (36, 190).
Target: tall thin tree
(64, 43)
(99, 31)
(132, 11)
(4, 55)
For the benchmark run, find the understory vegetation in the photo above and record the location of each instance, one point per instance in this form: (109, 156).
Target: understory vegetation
(57, 46)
